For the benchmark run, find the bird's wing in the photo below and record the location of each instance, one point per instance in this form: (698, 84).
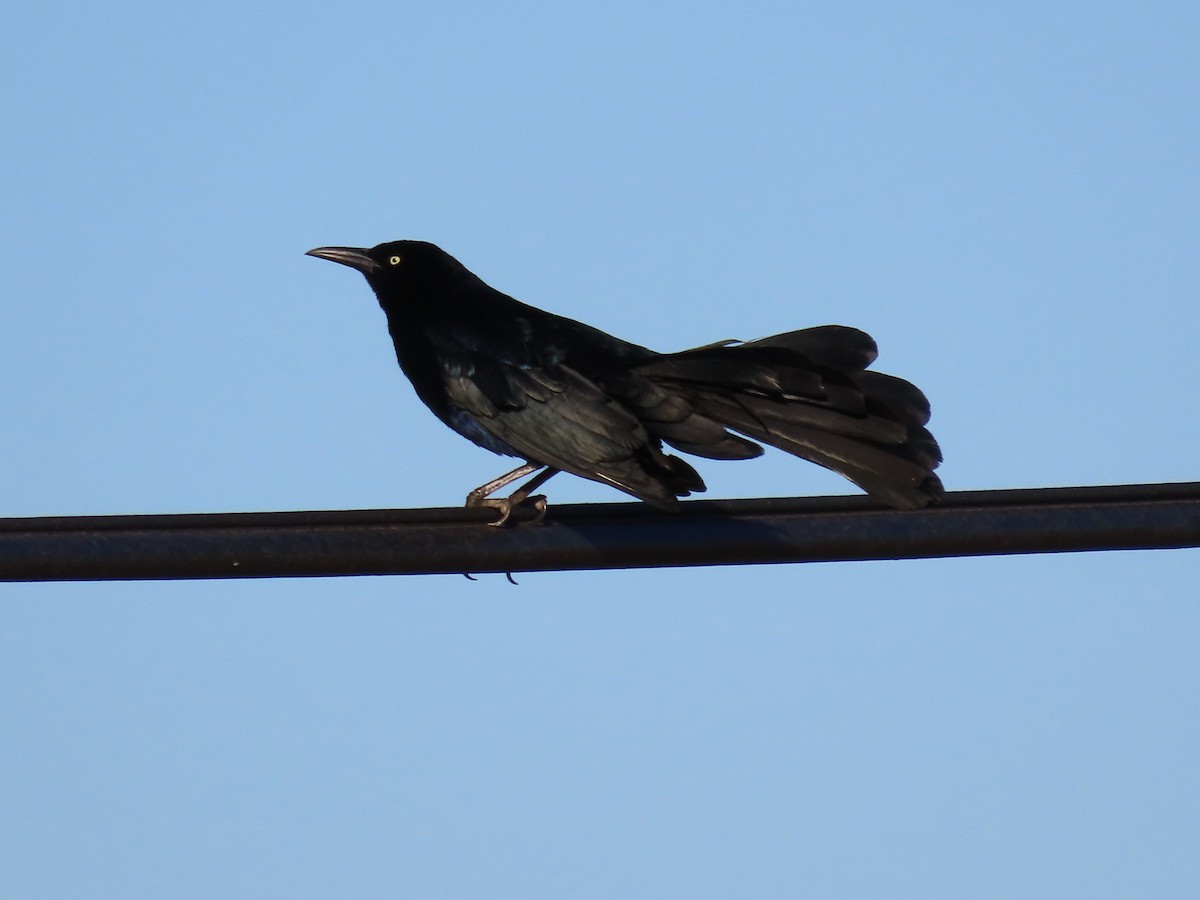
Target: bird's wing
(564, 420)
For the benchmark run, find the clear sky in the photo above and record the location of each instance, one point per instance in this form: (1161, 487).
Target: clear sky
(1005, 196)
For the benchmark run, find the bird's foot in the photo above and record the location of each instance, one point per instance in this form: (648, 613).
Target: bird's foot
(502, 504)
(538, 502)
(506, 505)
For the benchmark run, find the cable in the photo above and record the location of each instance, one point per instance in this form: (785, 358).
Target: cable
(596, 536)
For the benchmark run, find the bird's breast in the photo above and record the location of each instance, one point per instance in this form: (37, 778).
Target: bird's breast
(468, 426)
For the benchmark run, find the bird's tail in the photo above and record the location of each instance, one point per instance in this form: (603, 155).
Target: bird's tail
(806, 392)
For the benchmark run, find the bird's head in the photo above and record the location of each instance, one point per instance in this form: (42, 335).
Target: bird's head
(398, 268)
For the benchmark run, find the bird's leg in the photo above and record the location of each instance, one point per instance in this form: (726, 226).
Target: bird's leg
(475, 498)
(479, 496)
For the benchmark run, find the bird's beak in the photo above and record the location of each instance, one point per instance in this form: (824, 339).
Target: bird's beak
(354, 257)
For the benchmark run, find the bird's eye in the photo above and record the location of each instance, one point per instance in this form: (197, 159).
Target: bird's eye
(395, 260)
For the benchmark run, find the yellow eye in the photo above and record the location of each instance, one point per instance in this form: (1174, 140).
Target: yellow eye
(396, 260)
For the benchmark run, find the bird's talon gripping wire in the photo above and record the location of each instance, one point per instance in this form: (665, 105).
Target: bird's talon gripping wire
(519, 497)
(538, 503)
(505, 507)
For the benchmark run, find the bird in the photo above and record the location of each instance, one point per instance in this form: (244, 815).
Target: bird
(566, 397)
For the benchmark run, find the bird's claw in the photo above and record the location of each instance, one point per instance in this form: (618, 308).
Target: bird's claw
(538, 502)
(503, 504)
(506, 505)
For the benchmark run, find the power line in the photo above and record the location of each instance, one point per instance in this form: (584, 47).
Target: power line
(596, 536)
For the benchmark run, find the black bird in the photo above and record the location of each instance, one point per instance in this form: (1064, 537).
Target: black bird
(567, 397)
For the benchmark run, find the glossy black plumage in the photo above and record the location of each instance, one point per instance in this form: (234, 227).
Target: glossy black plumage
(555, 392)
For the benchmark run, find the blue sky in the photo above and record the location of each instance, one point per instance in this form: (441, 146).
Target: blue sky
(1005, 198)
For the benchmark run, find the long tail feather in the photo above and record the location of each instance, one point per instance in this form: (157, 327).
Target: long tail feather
(805, 392)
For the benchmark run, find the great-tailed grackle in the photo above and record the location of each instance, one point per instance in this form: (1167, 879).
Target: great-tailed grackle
(567, 397)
